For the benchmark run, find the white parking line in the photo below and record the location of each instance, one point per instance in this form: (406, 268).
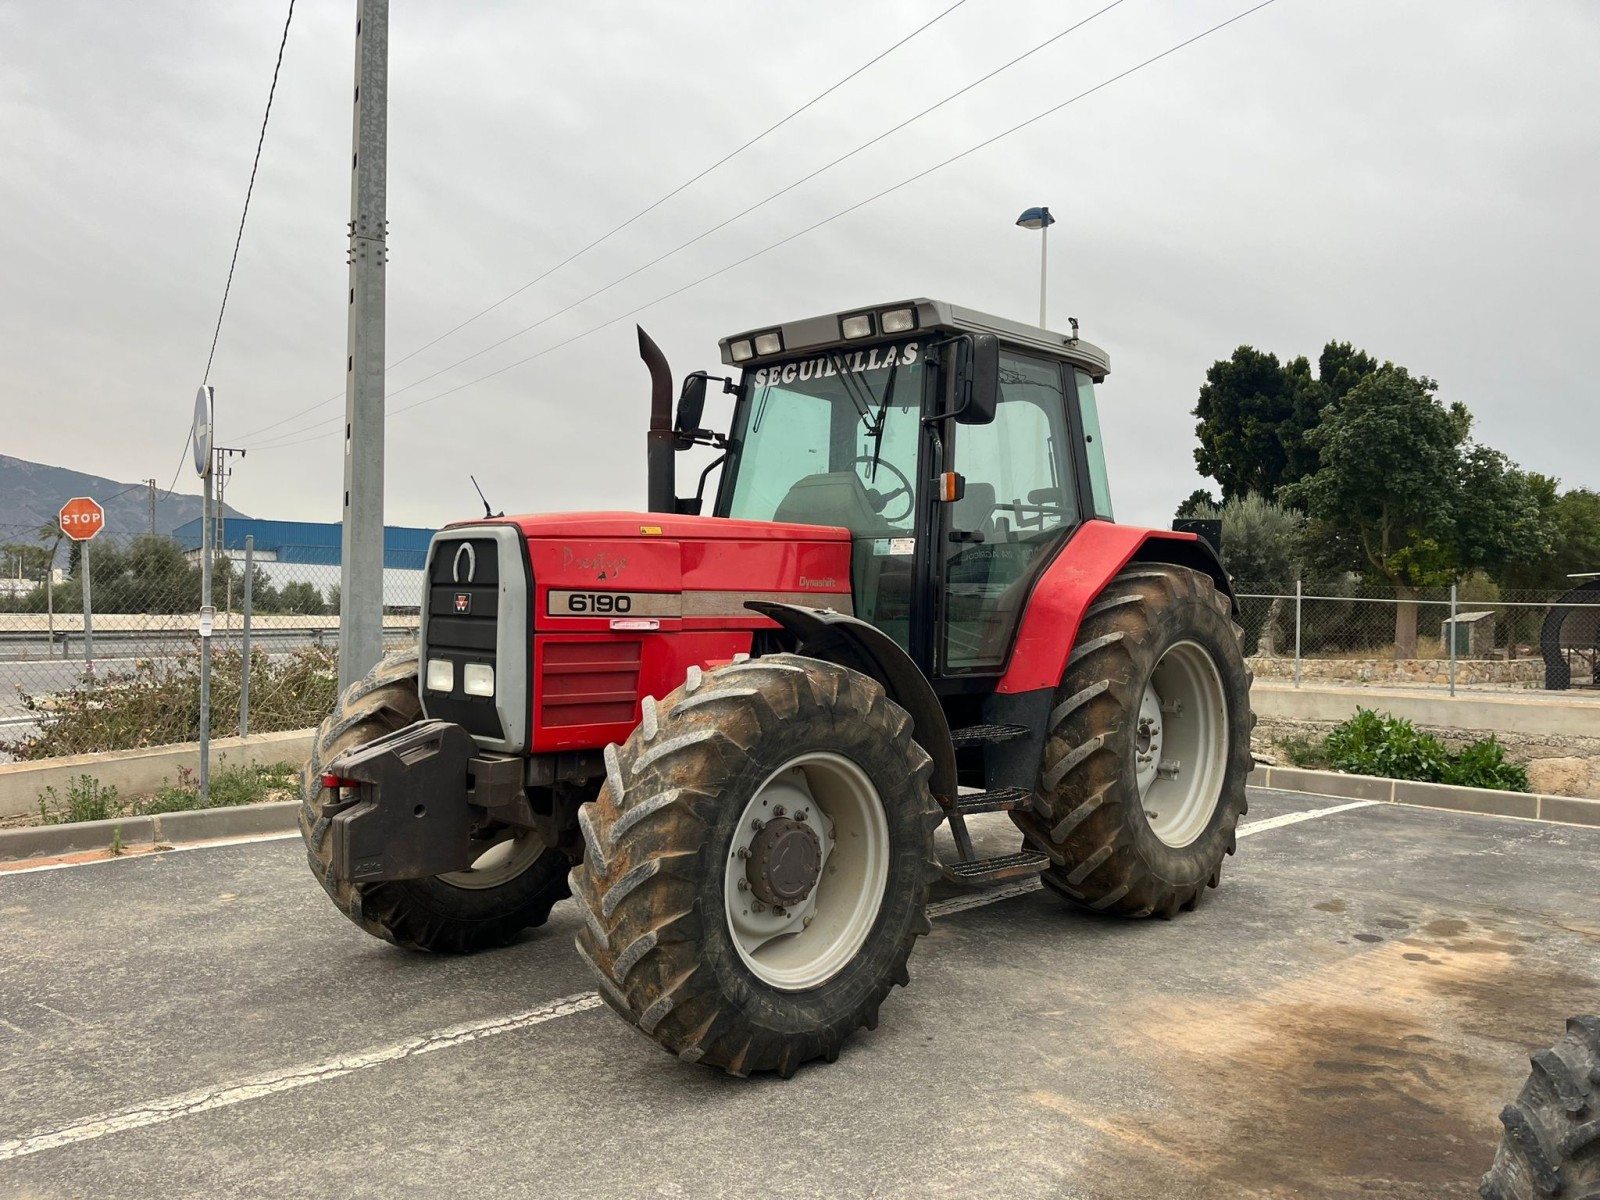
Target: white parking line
(1283, 819)
(184, 1104)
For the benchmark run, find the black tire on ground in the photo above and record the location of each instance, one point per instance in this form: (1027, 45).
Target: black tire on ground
(658, 836)
(418, 914)
(1088, 815)
(1551, 1143)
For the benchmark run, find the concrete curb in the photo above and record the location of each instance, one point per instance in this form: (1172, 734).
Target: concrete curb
(49, 841)
(1569, 810)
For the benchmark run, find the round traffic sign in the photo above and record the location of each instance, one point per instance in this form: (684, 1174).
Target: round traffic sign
(201, 434)
(81, 518)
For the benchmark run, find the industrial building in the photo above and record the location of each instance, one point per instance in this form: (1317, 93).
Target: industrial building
(310, 552)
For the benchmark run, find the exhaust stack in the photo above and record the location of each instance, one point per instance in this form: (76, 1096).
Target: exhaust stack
(660, 442)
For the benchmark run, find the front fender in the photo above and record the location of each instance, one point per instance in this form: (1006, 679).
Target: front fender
(850, 642)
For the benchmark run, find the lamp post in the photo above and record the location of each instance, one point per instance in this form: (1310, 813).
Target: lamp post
(1040, 219)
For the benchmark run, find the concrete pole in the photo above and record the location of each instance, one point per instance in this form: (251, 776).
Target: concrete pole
(207, 615)
(244, 637)
(151, 483)
(361, 552)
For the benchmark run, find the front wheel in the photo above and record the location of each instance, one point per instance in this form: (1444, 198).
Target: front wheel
(1143, 779)
(511, 885)
(757, 864)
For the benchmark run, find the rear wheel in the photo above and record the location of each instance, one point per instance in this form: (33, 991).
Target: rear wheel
(1143, 778)
(757, 864)
(510, 886)
(1551, 1144)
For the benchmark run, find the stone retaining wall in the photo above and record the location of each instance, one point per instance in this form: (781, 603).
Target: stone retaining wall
(1521, 672)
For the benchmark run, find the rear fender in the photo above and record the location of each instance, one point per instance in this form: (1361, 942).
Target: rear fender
(849, 642)
(1090, 559)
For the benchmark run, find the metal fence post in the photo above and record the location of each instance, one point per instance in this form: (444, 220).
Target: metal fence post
(1297, 594)
(88, 619)
(1453, 628)
(244, 637)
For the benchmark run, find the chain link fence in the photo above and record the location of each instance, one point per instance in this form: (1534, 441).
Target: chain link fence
(134, 679)
(1476, 636)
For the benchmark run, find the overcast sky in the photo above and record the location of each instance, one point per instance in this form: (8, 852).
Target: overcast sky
(1418, 178)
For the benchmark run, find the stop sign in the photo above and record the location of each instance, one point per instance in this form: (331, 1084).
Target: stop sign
(81, 518)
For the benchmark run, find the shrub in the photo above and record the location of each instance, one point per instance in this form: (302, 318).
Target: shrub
(157, 702)
(1303, 751)
(1483, 764)
(230, 787)
(1373, 744)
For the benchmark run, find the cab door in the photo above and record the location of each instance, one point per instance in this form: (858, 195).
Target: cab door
(1021, 502)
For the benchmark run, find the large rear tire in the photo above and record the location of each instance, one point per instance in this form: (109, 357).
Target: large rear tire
(756, 867)
(1551, 1144)
(1143, 778)
(511, 887)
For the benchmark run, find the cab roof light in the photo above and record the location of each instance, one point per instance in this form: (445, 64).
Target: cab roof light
(897, 320)
(741, 350)
(770, 342)
(857, 325)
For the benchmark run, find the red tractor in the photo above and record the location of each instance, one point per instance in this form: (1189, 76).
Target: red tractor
(733, 736)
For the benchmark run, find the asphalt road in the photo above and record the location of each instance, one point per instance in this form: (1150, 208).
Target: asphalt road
(1344, 1018)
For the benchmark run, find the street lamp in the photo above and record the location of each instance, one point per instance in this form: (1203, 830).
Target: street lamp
(1040, 219)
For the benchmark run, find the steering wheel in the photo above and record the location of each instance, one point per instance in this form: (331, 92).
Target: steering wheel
(880, 500)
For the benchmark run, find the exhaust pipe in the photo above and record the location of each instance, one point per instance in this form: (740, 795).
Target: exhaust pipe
(660, 442)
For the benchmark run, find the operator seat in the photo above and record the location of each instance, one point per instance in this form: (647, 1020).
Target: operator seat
(832, 498)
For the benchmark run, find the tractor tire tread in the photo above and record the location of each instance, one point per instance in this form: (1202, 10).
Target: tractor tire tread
(1551, 1141)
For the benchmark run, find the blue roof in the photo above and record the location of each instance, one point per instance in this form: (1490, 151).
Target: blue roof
(311, 541)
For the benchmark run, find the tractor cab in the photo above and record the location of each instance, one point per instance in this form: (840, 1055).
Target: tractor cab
(960, 450)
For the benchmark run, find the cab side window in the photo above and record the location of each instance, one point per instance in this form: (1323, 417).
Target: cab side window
(1020, 501)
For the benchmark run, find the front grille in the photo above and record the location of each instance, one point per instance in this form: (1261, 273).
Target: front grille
(477, 614)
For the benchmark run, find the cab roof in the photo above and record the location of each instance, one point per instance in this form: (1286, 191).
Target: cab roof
(811, 334)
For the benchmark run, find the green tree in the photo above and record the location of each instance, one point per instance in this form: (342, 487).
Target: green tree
(21, 560)
(1572, 522)
(302, 597)
(1401, 494)
(1196, 505)
(1253, 416)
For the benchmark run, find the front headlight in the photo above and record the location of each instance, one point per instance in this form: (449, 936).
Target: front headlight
(441, 675)
(477, 679)
(742, 351)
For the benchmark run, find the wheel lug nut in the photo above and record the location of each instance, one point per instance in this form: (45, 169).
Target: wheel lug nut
(756, 824)
(777, 810)
(744, 885)
(757, 906)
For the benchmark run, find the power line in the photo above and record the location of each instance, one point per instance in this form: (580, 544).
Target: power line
(239, 237)
(819, 224)
(609, 234)
(868, 144)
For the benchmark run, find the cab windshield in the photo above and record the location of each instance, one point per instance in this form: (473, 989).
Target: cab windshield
(832, 440)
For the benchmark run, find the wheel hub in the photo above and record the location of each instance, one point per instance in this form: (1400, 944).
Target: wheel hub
(785, 862)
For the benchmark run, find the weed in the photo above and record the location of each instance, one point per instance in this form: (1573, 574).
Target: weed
(229, 787)
(116, 842)
(1303, 751)
(86, 800)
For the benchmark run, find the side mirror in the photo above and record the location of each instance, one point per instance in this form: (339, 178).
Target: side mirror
(691, 406)
(978, 375)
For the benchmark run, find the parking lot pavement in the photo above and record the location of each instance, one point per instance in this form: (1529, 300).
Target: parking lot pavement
(1344, 1018)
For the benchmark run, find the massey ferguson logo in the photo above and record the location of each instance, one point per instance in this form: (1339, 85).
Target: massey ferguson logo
(463, 602)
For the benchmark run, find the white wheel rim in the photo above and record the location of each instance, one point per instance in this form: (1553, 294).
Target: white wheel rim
(1181, 743)
(500, 863)
(807, 943)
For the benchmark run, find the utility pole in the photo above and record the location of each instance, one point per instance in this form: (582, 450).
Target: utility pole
(361, 554)
(223, 472)
(151, 484)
